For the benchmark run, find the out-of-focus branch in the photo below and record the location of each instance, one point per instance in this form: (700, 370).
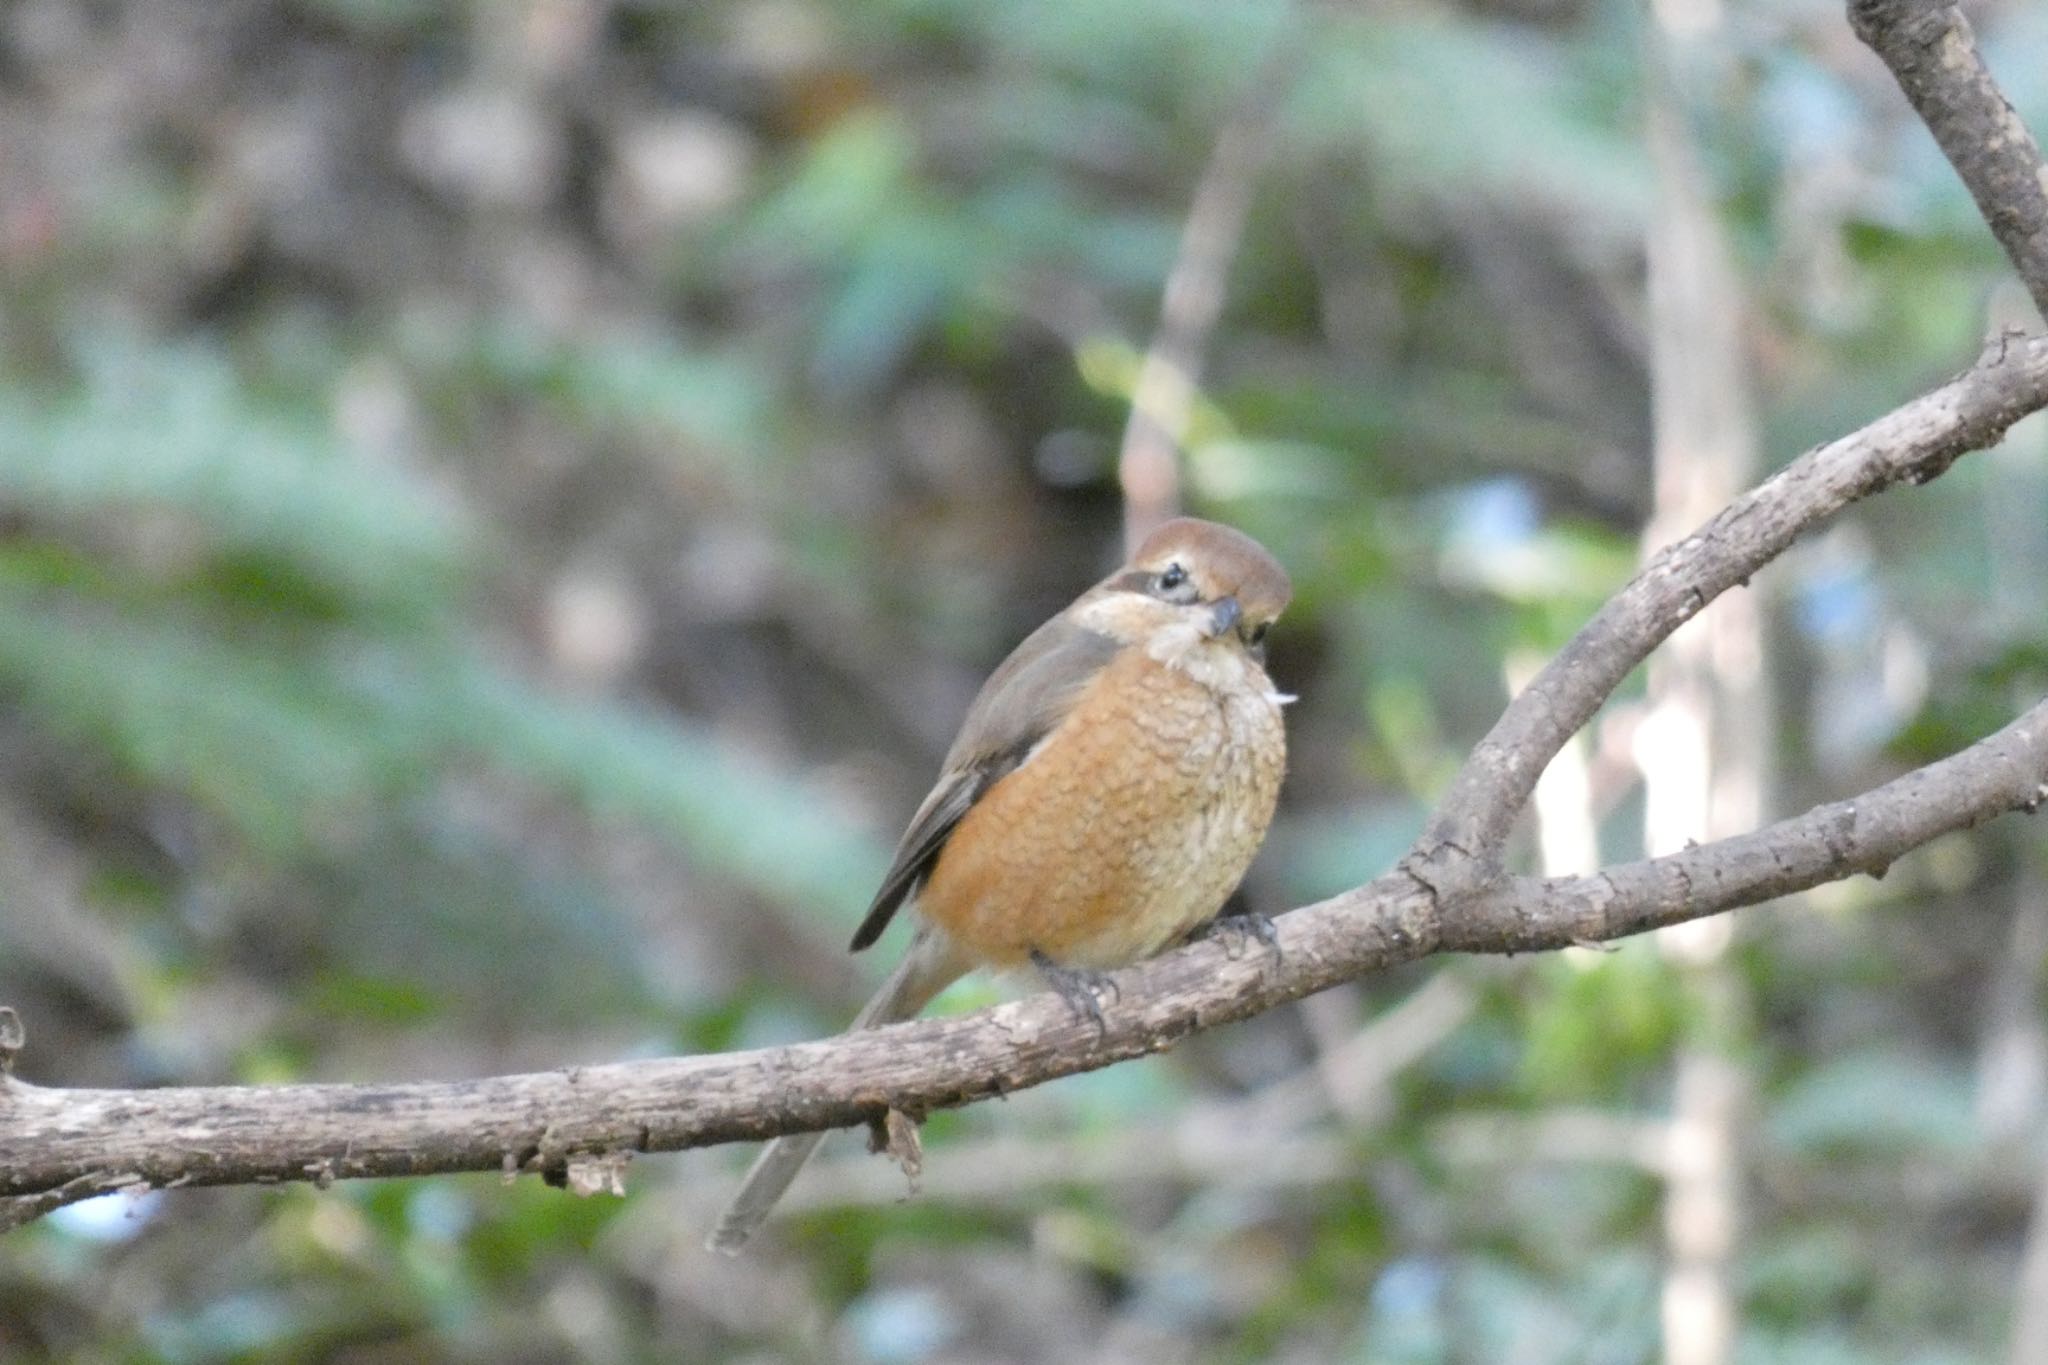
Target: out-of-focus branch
(1353, 1077)
(1560, 1135)
(1933, 55)
(1163, 398)
(1002, 1170)
(1257, 1139)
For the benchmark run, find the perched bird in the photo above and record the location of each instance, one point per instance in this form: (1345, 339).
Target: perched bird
(1107, 790)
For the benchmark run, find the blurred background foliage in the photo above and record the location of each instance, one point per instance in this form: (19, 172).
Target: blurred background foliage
(502, 505)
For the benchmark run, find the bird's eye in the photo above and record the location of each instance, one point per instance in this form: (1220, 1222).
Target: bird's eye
(1258, 636)
(1174, 576)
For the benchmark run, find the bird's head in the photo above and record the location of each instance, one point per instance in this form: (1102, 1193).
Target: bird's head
(1191, 582)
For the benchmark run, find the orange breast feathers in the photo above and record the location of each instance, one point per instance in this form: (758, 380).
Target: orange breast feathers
(1128, 826)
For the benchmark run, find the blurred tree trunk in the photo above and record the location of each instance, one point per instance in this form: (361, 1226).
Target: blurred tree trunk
(1704, 741)
(1163, 398)
(2012, 1059)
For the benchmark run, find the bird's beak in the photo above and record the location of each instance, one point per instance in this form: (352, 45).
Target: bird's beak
(1223, 616)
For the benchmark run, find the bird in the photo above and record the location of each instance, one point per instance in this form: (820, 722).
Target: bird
(1106, 792)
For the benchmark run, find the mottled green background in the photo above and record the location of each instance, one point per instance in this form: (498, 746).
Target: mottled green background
(502, 504)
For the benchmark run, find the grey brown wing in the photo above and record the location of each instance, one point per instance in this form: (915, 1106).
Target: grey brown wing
(1022, 702)
(920, 848)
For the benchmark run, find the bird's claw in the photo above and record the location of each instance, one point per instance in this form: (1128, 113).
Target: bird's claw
(1243, 926)
(1081, 988)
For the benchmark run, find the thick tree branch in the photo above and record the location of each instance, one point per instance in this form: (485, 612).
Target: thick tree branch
(1460, 849)
(2003, 772)
(1933, 55)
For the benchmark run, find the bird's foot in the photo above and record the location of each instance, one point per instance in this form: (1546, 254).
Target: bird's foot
(1241, 927)
(1080, 987)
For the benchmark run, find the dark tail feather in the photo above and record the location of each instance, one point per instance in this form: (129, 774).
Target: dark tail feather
(928, 968)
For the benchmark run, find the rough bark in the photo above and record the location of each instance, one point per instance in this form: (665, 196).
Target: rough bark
(1912, 444)
(1933, 55)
